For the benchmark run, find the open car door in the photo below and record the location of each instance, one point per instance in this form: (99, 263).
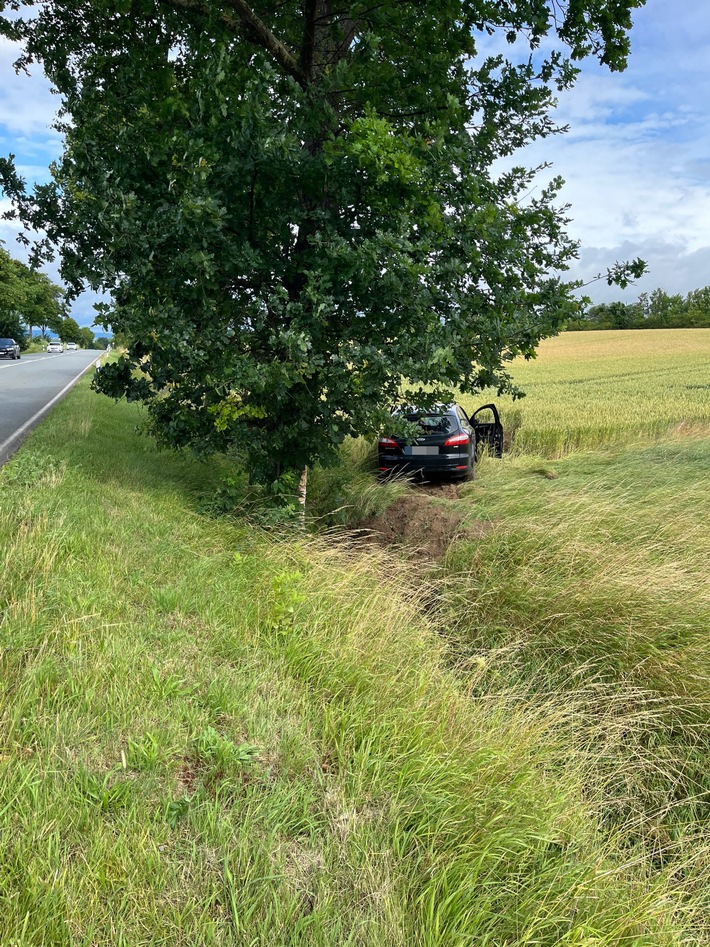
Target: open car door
(489, 431)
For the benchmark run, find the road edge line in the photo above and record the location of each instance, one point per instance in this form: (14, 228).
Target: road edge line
(14, 441)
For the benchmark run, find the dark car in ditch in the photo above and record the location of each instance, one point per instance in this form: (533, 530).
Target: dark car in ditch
(444, 440)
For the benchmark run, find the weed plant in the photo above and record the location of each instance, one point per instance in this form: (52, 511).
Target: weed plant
(347, 493)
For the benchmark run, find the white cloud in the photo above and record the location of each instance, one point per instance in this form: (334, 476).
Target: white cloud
(636, 160)
(623, 191)
(27, 106)
(671, 267)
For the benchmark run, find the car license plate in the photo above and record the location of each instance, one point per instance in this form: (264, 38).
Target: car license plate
(420, 451)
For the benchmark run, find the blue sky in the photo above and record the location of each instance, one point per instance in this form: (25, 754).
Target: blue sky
(636, 159)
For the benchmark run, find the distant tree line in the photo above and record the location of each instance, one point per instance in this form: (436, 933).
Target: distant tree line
(29, 299)
(656, 310)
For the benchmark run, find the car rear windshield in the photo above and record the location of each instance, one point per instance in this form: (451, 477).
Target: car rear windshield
(432, 423)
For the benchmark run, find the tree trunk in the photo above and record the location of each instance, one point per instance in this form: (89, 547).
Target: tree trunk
(302, 492)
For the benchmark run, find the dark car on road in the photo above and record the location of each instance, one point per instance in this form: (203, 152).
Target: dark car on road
(9, 348)
(444, 441)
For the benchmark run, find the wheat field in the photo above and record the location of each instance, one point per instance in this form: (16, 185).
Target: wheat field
(591, 389)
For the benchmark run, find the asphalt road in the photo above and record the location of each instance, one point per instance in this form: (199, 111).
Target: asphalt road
(29, 385)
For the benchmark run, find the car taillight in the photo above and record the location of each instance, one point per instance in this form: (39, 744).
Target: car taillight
(387, 443)
(458, 440)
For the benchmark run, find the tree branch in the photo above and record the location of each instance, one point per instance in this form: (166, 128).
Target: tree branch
(259, 33)
(349, 29)
(254, 28)
(328, 35)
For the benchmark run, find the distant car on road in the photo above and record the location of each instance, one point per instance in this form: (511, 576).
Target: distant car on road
(71, 347)
(55, 347)
(9, 348)
(445, 441)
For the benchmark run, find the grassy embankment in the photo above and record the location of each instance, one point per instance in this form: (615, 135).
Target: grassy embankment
(593, 575)
(36, 345)
(211, 736)
(605, 551)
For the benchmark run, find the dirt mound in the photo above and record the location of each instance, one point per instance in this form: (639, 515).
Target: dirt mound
(449, 491)
(418, 524)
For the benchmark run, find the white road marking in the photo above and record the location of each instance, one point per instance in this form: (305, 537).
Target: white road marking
(43, 359)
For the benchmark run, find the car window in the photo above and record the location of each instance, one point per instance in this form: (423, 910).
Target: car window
(431, 423)
(7, 342)
(485, 416)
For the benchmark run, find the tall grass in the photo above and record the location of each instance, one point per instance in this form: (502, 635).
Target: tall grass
(347, 494)
(344, 494)
(215, 735)
(593, 575)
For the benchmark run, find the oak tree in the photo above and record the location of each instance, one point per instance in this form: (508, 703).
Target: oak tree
(299, 209)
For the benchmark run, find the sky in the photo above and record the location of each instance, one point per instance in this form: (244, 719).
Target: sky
(636, 158)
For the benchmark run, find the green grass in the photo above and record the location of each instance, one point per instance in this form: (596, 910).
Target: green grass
(601, 554)
(36, 345)
(343, 495)
(618, 535)
(593, 572)
(217, 735)
(213, 734)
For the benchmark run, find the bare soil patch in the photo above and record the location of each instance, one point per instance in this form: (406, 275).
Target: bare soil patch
(440, 489)
(417, 523)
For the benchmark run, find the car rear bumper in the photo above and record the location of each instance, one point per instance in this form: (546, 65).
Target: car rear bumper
(455, 465)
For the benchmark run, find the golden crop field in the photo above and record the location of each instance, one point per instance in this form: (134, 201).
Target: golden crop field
(589, 389)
